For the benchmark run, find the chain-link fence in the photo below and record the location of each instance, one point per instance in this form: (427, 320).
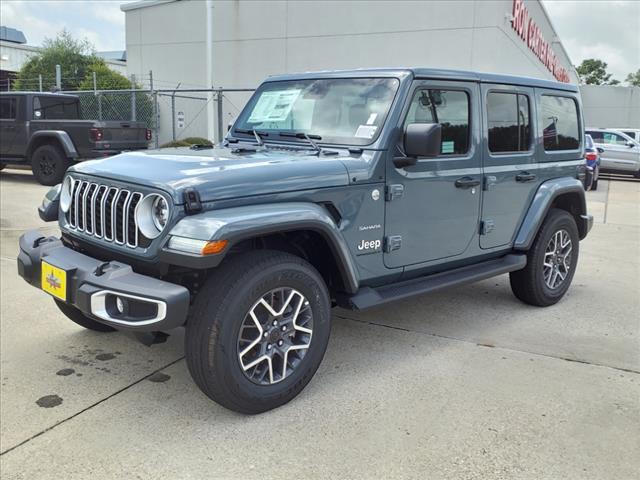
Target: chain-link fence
(171, 114)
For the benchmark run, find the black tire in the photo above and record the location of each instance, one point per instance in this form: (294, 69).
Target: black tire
(48, 164)
(76, 316)
(594, 185)
(529, 284)
(212, 342)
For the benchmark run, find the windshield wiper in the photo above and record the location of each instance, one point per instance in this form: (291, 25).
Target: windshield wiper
(258, 135)
(303, 135)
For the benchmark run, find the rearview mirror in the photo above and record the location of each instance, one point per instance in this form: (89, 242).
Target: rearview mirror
(422, 140)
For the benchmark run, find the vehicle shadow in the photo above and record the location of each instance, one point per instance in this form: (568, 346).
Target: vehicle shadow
(18, 176)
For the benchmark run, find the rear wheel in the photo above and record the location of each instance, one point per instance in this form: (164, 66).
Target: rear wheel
(551, 262)
(258, 331)
(76, 316)
(48, 164)
(594, 184)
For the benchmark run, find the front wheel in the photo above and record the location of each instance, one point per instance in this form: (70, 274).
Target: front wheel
(551, 261)
(48, 164)
(258, 330)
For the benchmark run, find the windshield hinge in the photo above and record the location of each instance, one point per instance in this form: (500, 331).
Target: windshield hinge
(192, 202)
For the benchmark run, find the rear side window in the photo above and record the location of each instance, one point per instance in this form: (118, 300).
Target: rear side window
(449, 108)
(596, 136)
(55, 108)
(8, 108)
(560, 123)
(508, 122)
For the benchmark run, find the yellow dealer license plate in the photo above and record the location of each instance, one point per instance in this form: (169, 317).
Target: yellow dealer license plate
(54, 281)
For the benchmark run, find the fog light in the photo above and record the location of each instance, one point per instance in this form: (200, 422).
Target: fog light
(119, 305)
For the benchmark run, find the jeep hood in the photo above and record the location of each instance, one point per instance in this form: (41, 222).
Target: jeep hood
(220, 173)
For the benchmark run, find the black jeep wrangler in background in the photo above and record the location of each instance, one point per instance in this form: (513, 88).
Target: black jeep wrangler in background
(46, 131)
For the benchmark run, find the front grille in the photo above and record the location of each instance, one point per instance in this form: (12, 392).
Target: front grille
(106, 212)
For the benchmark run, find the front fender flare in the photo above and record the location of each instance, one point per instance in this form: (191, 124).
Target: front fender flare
(240, 223)
(60, 136)
(542, 201)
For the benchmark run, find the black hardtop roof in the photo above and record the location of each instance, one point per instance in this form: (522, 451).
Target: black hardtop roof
(435, 73)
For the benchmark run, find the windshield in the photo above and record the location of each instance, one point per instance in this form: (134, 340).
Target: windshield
(348, 111)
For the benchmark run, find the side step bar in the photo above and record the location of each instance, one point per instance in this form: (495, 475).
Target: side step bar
(369, 297)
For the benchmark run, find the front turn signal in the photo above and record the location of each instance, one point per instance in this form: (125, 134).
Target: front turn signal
(212, 248)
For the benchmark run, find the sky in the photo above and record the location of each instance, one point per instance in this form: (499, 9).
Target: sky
(604, 29)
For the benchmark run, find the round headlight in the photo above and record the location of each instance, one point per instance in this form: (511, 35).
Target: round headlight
(65, 194)
(152, 215)
(160, 212)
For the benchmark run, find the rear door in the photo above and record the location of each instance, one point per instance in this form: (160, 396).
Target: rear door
(8, 123)
(509, 161)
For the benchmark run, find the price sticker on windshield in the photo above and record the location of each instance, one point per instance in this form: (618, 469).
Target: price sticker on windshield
(274, 106)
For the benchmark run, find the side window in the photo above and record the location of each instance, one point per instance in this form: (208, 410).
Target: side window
(508, 122)
(613, 139)
(8, 108)
(560, 123)
(449, 108)
(55, 108)
(597, 136)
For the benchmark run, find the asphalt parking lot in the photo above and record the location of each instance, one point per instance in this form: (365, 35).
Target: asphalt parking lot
(463, 384)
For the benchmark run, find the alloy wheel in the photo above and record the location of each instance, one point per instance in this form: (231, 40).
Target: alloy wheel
(275, 336)
(557, 259)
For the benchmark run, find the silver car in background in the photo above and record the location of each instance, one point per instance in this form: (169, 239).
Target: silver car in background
(621, 153)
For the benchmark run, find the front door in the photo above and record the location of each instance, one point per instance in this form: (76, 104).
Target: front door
(432, 207)
(510, 170)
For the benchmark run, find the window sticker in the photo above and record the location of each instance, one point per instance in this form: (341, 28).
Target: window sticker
(366, 131)
(447, 147)
(274, 106)
(372, 118)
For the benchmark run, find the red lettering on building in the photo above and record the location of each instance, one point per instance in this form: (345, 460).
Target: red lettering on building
(529, 31)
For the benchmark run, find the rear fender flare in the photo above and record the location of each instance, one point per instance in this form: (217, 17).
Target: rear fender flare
(542, 201)
(241, 223)
(59, 136)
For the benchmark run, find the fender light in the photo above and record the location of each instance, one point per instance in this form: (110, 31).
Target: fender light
(196, 247)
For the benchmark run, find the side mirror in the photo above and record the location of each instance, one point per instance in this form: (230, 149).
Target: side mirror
(230, 124)
(420, 140)
(631, 144)
(600, 149)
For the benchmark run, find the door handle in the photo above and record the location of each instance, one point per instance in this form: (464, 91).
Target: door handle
(525, 177)
(466, 182)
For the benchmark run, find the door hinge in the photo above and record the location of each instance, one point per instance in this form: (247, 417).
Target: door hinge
(489, 182)
(486, 226)
(392, 243)
(392, 192)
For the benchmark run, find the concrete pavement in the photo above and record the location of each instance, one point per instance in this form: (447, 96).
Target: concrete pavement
(468, 383)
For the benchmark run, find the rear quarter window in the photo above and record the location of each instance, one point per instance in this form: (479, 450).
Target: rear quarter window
(561, 129)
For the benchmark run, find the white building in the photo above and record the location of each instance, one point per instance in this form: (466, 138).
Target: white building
(237, 43)
(611, 106)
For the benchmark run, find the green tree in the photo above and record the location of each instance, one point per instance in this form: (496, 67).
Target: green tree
(594, 72)
(106, 79)
(73, 56)
(633, 79)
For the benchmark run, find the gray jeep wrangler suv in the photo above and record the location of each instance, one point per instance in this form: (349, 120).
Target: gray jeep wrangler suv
(351, 188)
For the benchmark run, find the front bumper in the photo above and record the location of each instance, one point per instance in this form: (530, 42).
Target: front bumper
(586, 222)
(92, 286)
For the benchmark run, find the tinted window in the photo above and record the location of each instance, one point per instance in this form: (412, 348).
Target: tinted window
(596, 136)
(560, 123)
(449, 108)
(55, 108)
(508, 122)
(8, 107)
